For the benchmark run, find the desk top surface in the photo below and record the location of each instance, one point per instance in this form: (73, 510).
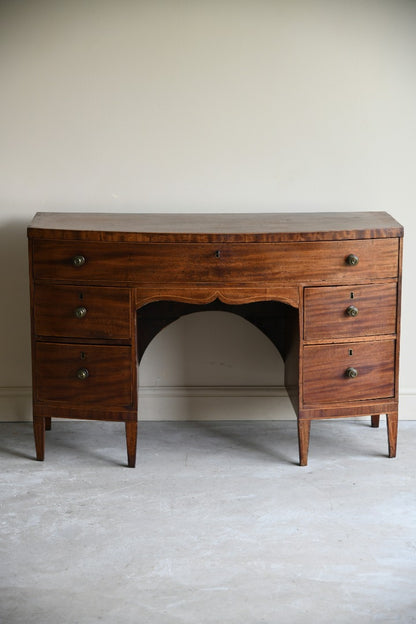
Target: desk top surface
(211, 227)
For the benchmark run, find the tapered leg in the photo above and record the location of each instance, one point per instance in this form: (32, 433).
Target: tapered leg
(39, 432)
(131, 439)
(392, 421)
(48, 423)
(304, 429)
(375, 420)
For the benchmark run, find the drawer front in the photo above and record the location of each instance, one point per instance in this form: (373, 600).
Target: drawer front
(346, 312)
(137, 263)
(327, 370)
(82, 312)
(84, 375)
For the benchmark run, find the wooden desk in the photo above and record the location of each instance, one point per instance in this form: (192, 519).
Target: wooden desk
(324, 287)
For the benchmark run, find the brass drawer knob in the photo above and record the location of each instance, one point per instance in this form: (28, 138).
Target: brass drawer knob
(351, 372)
(80, 312)
(351, 311)
(78, 261)
(83, 373)
(352, 260)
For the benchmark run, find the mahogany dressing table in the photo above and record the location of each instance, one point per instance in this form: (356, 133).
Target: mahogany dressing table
(324, 287)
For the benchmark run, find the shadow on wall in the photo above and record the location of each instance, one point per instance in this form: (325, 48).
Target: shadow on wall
(208, 348)
(212, 365)
(15, 365)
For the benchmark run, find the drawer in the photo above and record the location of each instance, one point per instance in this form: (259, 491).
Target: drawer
(326, 370)
(82, 312)
(84, 375)
(347, 312)
(137, 263)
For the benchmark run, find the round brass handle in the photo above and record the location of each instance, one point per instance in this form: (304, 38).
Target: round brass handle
(78, 261)
(351, 372)
(80, 312)
(352, 260)
(351, 311)
(82, 373)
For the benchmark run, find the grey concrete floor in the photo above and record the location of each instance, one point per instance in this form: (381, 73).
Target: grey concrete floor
(217, 524)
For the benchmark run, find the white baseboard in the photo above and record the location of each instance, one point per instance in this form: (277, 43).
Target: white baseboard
(215, 403)
(196, 403)
(16, 404)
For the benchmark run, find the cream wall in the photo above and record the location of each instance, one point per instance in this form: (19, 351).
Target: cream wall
(199, 106)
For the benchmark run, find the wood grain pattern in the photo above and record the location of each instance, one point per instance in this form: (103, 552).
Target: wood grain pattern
(324, 372)
(326, 317)
(202, 295)
(107, 312)
(108, 384)
(200, 228)
(126, 263)
(286, 273)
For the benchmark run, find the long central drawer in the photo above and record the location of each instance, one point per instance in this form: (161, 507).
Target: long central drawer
(344, 261)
